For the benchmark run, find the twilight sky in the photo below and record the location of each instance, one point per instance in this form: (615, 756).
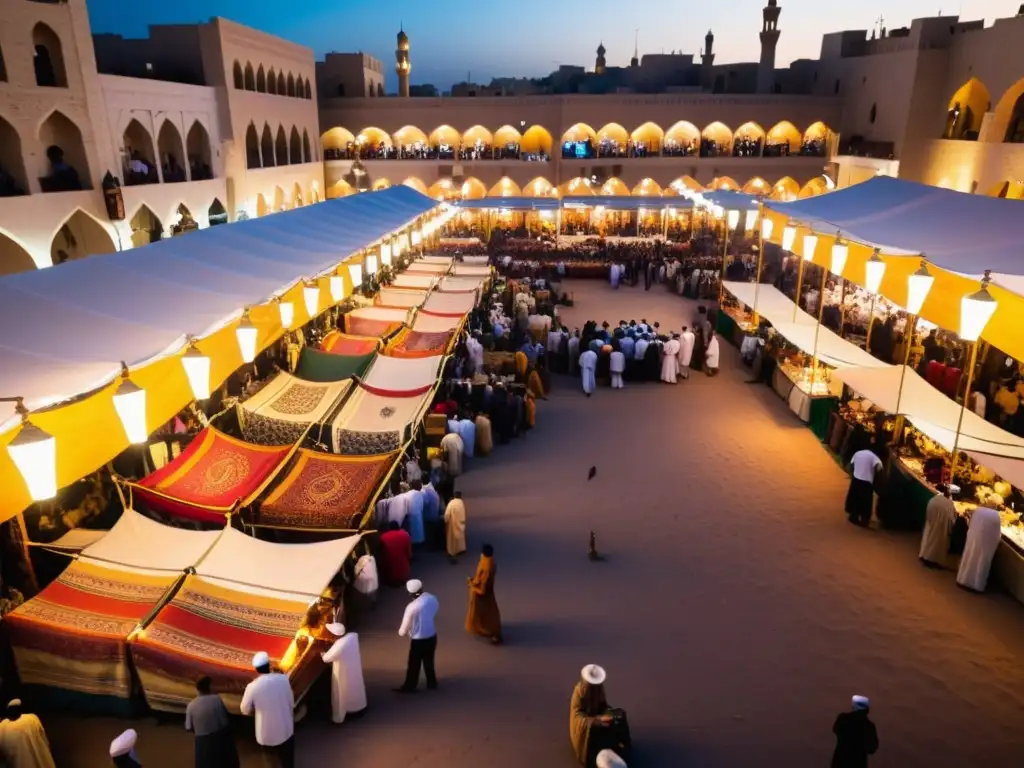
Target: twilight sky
(449, 40)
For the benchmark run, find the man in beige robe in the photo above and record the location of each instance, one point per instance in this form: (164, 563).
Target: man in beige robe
(23, 742)
(940, 515)
(484, 439)
(455, 526)
(452, 447)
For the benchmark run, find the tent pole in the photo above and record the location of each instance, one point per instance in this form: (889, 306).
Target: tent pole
(760, 262)
(871, 324)
(817, 329)
(799, 285)
(908, 341)
(963, 408)
(725, 253)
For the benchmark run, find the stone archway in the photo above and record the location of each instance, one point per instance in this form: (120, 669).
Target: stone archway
(15, 182)
(146, 227)
(216, 213)
(68, 163)
(79, 236)
(14, 258)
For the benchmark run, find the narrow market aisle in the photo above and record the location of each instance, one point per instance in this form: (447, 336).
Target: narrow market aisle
(736, 613)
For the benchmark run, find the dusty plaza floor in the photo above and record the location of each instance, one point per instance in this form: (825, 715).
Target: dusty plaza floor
(736, 613)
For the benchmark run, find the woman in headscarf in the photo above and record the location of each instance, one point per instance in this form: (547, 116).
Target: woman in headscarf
(483, 617)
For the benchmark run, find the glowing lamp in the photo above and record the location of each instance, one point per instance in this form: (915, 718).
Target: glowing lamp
(733, 219)
(788, 238)
(130, 404)
(718, 211)
(810, 244)
(287, 310)
(34, 453)
(975, 312)
(417, 238)
(246, 334)
(840, 252)
(751, 220)
(311, 295)
(337, 285)
(918, 285)
(371, 265)
(197, 368)
(874, 271)
(355, 271)
(385, 254)
(767, 227)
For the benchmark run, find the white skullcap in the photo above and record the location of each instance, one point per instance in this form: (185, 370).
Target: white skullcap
(124, 743)
(261, 659)
(337, 629)
(608, 759)
(594, 674)
(861, 702)
(413, 586)
(13, 703)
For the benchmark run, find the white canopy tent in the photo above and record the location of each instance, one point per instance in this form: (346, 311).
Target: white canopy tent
(402, 373)
(450, 303)
(139, 544)
(401, 297)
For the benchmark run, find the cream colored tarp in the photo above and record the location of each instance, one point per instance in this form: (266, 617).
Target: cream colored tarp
(435, 323)
(382, 314)
(288, 571)
(460, 283)
(139, 544)
(445, 260)
(476, 261)
(471, 270)
(450, 303)
(777, 309)
(405, 280)
(295, 400)
(403, 373)
(421, 267)
(402, 297)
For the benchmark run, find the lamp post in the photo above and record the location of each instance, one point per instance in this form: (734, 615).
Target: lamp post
(874, 271)
(130, 404)
(918, 286)
(809, 245)
(764, 232)
(246, 333)
(197, 369)
(34, 453)
(729, 222)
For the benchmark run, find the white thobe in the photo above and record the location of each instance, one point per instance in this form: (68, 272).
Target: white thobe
(270, 697)
(453, 449)
(366, 582)
(640, 349)
(588, 365)
(670, 362)
(686, 343)
(711, 356)
(940, 514)
(476, 354)
(574, 349)
(617, 365)
(348, 691)
(983, 537)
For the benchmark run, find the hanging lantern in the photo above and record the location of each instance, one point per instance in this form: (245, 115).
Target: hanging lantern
(733, 219)
(371, 265)
(718, 211)
(874, 271)
(337, 286)
(385, 254)
(810, 244)
(311, 296)
(355, 271)
(287, 310)
(918, 285)
(197, 368)
(246, 334)
(976, 310)
(767, 227)
(417, 238)
(840, 252)
(788, 238)
(130, 404)
(751, 219)
(34, 453)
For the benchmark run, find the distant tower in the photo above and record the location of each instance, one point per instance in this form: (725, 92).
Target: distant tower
(600, 64)
(707, 62)
(635, 61)
(402, 65)
(769, 40)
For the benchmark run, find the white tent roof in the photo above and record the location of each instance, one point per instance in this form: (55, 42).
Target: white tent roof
(435, 323)
(460, 283)
(296, 571)
(450, 303)
(136, 543)
(478, 261)
(446, 260)
(385, 314)
(401, 297)
(403, 373)
(472, 270)
(421, 267)
(777, 308)
(405, 280)
(78, 321)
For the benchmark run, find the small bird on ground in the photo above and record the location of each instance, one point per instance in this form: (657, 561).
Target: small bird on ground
(593, 554)
(591, 474)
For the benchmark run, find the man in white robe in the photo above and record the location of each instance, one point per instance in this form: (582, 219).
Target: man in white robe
(270, 698)
(23, 742)
(686, 343)
(588, 367)
(574, 351)
(617, 365)
(615, 275)
(348, 691)
(670, 360)
(476, 352)
(983, 537)
(940, 515)
(711, 356)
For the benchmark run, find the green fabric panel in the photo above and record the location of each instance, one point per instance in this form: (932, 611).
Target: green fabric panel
(315, 365)
(821, 408)
(725, 326)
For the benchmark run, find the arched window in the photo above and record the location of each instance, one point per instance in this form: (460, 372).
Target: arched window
(13, 182)
(271, 82)
(380, 89)
(48, 58)
(252, 148)
(197, 144)
(172, 154)
(1015, 129)
(250, 78)
(138, 158)
(281, 147)
(3, 69)
(267, 147)
(146, 227)
(306, 157)
(14, 258)
(294, 147)
(239, 77)
(282, 87)
(291, 84)
(309, 90)
(80, 236)
(68, 167)
(261, 80)
(216, 213)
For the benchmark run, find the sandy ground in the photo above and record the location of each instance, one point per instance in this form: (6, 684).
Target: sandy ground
(736, 613)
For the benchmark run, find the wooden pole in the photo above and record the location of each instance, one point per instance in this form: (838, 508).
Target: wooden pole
(817, 329)
(725, 253)
(760, 261)
(963, 408)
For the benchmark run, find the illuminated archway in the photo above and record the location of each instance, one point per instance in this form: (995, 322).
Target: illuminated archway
(505, 188)
(444, 140)
(507, 142)
(536, 141)
(577, 187)
(372, 142)
(614, 187)
(13, 256)
(783, 139)
(716, 139)
(278, 199)
(683, 183)
(648, 138)
(724, 183)
(785, 189)
(380, 184)
(413, 183)
(682, 139)
(646, 188)
(756, 186)
(815, 140)
(579, 133)
(748, 140)
(539, 187)
(337, 143)
(340, 188)
(814, 187)
(612, 140)
(296, 198)
(1008, 190)
(411, 142)
(262, 209)
(1009, 115)
(966, 110)
(146, 227)
(444, 190)
(472, 189)
(477, 136)
(82, 235)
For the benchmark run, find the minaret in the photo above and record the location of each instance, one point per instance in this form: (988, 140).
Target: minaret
(600, 64)
(402, 65)
(635, 61)
(769, 39)
(707, 61)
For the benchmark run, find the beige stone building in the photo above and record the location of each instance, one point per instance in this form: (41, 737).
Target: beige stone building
(201, 124)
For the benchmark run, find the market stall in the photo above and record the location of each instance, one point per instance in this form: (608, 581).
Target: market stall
(318, 366)
(375, 321)
(401, 297)
(416, 282)
(338, 343)
(284, 410)
(395, 373)
(375, 421)
(449, 303)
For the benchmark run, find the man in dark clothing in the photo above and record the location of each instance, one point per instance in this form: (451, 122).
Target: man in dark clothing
(856, 737)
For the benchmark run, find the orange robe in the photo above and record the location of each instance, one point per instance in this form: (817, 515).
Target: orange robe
(535, 385)
(483, 617)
